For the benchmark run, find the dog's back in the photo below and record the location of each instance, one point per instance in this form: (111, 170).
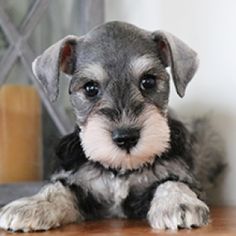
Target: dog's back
(208, 151)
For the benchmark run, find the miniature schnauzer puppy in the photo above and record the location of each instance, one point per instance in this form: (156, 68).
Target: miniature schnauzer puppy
(128, 156)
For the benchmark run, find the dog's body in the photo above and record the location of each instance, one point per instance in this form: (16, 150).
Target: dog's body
(127, 157)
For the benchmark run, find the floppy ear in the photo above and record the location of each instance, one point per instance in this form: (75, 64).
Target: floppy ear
(59, 57)
(181, 58)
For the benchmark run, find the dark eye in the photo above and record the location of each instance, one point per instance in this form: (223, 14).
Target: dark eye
(148, 82)
(91, 89)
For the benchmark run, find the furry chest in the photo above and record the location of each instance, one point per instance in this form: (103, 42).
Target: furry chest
(108, 191)
(106, 184)
(105, 187)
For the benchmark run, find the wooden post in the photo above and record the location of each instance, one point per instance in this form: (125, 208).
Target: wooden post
(20, 134)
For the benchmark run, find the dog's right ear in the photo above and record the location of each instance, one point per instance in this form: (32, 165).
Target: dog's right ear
(59, 57)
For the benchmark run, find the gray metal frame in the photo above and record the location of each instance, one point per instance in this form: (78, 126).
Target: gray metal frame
(91, 13)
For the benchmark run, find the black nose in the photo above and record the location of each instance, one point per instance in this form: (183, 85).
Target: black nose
(126, 138)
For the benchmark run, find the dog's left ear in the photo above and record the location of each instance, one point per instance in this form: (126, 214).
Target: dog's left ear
(180, 57)
(59, 57)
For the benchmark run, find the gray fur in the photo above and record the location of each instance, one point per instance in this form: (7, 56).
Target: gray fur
(176, 206)
(123, 183)
(207, 144)
(104, 45)
(47, 67)
(112, 189)
(176, 54)
(53, 206)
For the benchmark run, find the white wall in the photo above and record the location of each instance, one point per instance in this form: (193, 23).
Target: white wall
(210, 28)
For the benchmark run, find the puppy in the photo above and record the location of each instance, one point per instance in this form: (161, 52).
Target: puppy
(128, 156)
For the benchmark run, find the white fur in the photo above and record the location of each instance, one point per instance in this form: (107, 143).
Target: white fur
(154, 140)
(53, 206)
(105, 186)
(92, 71)
(175, 205)
(142, 64)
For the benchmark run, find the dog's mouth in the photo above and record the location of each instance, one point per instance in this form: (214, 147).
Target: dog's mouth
(126, 147)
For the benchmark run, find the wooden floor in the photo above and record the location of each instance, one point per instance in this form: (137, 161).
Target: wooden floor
(223, 223)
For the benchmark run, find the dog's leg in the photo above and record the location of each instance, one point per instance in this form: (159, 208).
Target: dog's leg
(174, 206)
(53, 206)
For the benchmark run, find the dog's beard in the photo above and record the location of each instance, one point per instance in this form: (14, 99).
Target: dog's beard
(99, 147)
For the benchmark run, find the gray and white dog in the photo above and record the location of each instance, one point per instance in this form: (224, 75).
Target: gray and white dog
(128, 157)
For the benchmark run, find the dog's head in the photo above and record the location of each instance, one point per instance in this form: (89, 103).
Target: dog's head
(119, 89)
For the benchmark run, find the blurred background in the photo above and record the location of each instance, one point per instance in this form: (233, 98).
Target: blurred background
(27, 27)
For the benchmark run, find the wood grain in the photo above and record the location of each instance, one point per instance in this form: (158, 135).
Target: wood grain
(20, 134)
(223, 223)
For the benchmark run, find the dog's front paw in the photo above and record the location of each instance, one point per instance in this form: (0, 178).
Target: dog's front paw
(175, 206)
(28, 214)
(53, 206)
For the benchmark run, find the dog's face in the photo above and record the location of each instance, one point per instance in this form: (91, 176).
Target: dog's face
(119, 89)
